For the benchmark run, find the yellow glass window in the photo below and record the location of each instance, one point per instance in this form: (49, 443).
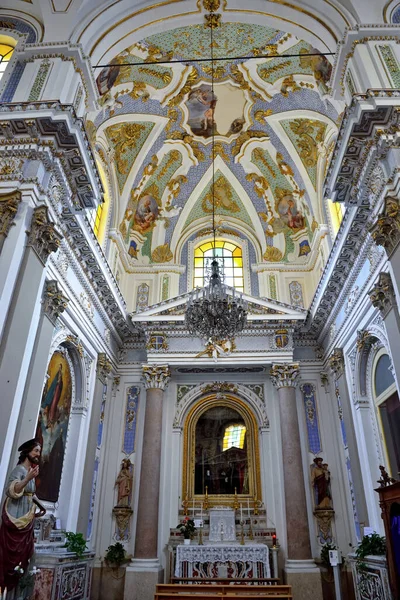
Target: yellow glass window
(230, 261)
(98, 218)
(234, 437)
(5, 54)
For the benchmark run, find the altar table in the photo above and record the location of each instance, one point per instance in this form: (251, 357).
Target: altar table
(228, 560)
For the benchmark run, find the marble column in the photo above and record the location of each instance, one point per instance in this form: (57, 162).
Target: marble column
(85, 515)
(145, 570)
(300, 569)
(383, 297)
(54, 302)
(21, 327)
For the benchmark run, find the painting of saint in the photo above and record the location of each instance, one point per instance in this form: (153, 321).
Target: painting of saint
(289, 213)
(107, 78)
(52, 426)
(201, 106)
(146, 213)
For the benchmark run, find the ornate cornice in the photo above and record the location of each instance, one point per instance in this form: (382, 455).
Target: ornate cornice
(285, 375)
(336, 362)
(156, 376)
(54, 302)
(382, 294)
(386, 230)
(43, 236)
(103, 367)
(8, 209)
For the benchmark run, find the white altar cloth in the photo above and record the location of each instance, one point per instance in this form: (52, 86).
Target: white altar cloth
(229, 553)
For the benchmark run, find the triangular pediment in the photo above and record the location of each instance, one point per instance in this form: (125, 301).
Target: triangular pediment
(259, 309)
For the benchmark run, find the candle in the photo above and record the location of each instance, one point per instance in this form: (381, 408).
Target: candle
(201, 514)
(5, 594)
(241, 512)
(193, 507)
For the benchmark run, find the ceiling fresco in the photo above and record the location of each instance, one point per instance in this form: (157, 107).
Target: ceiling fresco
(273, 128)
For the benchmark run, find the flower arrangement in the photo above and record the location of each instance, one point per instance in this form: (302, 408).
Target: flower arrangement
(187, 528)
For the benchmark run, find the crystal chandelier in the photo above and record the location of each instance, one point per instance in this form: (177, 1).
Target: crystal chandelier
(212, 313)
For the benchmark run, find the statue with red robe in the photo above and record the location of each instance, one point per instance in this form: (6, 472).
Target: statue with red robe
(19, 512)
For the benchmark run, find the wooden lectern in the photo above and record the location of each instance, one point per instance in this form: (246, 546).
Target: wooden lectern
(389, 501)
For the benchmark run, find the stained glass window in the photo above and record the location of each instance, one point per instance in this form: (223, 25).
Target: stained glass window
(234, 437)
(5, 54)
(230, 260)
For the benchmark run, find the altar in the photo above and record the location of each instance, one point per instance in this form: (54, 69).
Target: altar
(250, 561)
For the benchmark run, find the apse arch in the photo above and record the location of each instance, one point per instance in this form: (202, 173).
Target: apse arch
(322, 27)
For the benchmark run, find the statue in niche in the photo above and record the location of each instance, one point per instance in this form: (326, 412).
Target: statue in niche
(19, 513)
(321, 482)
(124, 482)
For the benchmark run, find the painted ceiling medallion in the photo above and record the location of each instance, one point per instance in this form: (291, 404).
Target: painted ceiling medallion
(223, 113)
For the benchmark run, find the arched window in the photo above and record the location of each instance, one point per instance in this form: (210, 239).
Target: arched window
(234, 437)
(336, 215)
(388, 410)
(6, 51)
(230, 260)
(98, 216)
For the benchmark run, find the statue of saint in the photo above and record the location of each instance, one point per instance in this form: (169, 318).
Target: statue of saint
(124, 483)
(321, 482)
(16, 531)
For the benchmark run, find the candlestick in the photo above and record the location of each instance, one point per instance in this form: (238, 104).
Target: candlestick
(206, 505)
(241, 534)
(201, 536)
(235, 501)
(185, 505)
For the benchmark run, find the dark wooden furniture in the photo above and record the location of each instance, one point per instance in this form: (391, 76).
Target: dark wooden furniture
(389, 501)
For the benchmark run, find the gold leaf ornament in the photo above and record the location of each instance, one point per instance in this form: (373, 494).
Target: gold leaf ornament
(162, 254)
(273, 254)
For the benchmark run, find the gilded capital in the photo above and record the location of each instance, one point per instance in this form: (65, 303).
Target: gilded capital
(43, 236)
(156, 376)
(382, 294)
(285, 375)
(336, 362)
(103, 367)
(8, 209)
(386, 231)
(54, 302)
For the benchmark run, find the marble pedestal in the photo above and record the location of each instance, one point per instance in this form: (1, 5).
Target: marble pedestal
(141, 578)
(305, 578)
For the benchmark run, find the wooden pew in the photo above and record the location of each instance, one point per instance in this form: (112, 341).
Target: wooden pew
(220, 596)
(219, 591)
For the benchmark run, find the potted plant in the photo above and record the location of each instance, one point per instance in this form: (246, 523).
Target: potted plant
(370, 545)
(187, 529)
(75, 542)
(115, 555)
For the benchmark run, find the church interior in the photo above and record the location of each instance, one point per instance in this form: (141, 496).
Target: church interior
(199, 299)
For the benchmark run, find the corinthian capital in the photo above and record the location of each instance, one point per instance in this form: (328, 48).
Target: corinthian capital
(43, 236)
(386, 231)
(285, 375)
(103, 367)
(8, 209)
(336, 362)
(156, 376)
(382, 294)
(54, 301)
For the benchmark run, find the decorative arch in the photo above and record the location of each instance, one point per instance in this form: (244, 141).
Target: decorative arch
(209, 401)
(244, 393)
(322, 27)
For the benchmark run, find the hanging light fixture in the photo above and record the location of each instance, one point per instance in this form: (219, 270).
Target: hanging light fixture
(212, 313)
